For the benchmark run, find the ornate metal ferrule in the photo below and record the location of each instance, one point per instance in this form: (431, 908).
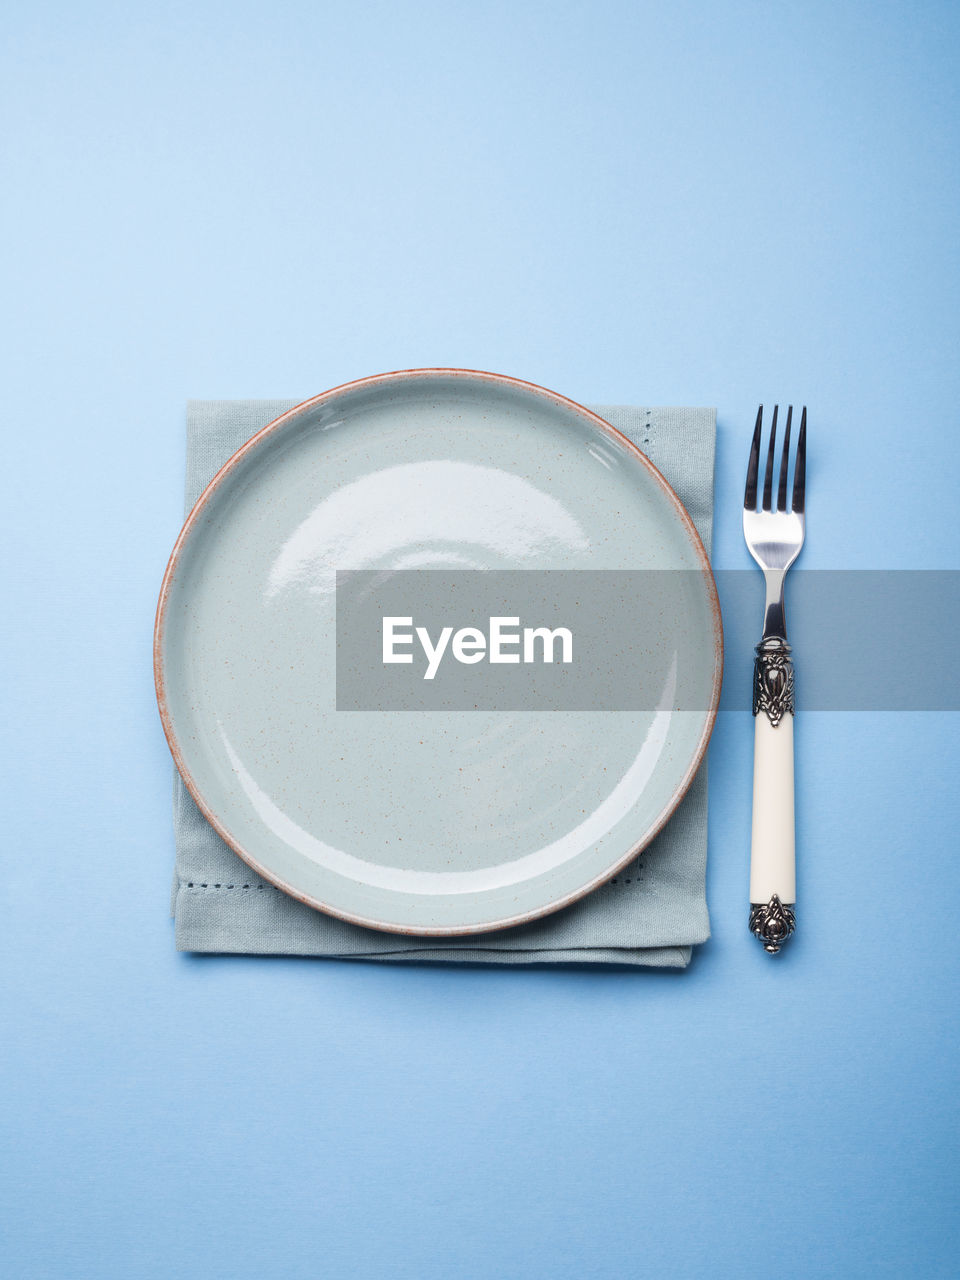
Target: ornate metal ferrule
(772, 922)
(773, 679)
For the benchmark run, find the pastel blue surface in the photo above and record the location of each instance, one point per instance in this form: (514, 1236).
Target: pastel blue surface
(667, 203)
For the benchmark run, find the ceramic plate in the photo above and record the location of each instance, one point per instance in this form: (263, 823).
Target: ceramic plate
(427, 822)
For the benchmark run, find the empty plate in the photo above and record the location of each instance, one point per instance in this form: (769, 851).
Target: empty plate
(434, 822)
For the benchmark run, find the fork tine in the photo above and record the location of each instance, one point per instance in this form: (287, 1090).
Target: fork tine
(799, 471)
(768, 474)
(753, 466)
(784, 463)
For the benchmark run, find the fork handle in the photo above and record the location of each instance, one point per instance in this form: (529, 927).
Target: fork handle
(772, 853)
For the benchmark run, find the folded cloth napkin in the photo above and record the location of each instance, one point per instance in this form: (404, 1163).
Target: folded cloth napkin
(650, 914)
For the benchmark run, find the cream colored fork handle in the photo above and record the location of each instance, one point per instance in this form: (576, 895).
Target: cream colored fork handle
(772, 850)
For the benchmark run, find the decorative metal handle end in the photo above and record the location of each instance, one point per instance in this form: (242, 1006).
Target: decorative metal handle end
(773, 679)
(772, 922)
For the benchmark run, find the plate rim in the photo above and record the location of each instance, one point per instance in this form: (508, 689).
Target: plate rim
(277, 424)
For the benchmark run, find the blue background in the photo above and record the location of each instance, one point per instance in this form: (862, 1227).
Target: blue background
(667, 203)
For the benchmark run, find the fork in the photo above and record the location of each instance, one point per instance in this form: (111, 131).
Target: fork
(774, 539)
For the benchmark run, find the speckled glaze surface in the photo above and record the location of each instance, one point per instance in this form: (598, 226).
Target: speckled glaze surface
(432, 823)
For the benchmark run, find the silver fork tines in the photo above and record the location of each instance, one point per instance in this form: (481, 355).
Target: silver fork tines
(774, 538)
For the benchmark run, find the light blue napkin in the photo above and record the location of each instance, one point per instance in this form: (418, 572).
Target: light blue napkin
(652, 913)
